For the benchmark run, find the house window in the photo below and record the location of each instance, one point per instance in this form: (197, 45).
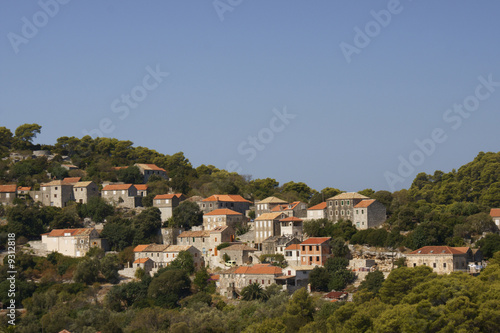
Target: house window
(336, 213)
(55, 195)
(249, 281)
(362, 211)
(336, 203)
(317, 259)
(415, 265)
(317, 247)
(310, 248)
(158, 202)
(342, 203)
(357, 212)
(444, 265)
(55, 188)
(262, 281)
(434, 265)
(347, 202)
(114, 192)
(342, 213)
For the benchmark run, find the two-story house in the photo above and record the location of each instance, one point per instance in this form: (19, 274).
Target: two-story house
(142, 189)
(341, 206)
(443, 259)
(55, 193)
(124, 195)
(206, 241)
(267, 225)
(219, 201)
(166, 204)
(147, 170)
(7, 194)
(368, 213)
(233, 280)
(266, 205)
(222, 217)
(317, 212)
(83, 191)
(296, 208)
(72, 242)
(315, 251)
(292, 226)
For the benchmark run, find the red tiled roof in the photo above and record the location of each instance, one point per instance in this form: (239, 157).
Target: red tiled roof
(318, 206)
(71, 180)
(141, 187)
(168, 196)
(215, 277)
(315, 240)
(224, 211)
(290, 206)
(364, 203)
(71, 232)
(8, 188)
(440, 250)
(140, 248)
(291, 219)
(335, 294)
(141, 260)
(226, 198)
(260, 269)
(153, 167)
(495, 212)
(24, 188)
(293, 247)
(115, 187)
(119, 168)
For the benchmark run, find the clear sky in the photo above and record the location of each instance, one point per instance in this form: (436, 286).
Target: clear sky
(331, 93)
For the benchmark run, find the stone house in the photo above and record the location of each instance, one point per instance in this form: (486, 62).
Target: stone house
(266, 205)
(7, 194)
(172, 252)
(297, 209)
(56, 193)
(72, 242)
(206, 241)
(291, 226)
(142, 189)
(315, 251)
(123, 195)
(341, 206)
(233, 280)
(443, 259)
(23, 191)
(83, 191)
(368, 213)
(278, 244)
(292, 254)
(166, 204)
(267, 225)
(222, 217)
(145, 263)
(162, 255)
(217, 201)
(495, 215)
(294, 277)
(317, 212)
(240, 253)
(147, 170)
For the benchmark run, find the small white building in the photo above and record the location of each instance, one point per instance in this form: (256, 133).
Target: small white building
(71, 242)
(317, 212)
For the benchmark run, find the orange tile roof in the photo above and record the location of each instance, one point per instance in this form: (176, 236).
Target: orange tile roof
(141, 187)
(223, 211)
(140, 248)
(291, 219)
(24, 188)
(168, 196)
(293, 247)
(141, 260)
(227, 198)
(8, 188)
(153, 167)
(260, 269)
(115, 187)
(71, 180)
(215, 277)
(364, 203)
(289, 206)
(495, 212)
(119, 168)
(318, 206)
(71, 232)
(440, 250)
(315, 240)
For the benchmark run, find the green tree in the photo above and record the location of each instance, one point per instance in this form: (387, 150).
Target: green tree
(489, 245)
(339, 248)
(373, 282)
(109, 268)
(299, 310)
(184, 261)
(169, 287)
(401, 281)
(319, 278)
(96, 208)
(6, 141)
(25, 134)
(130, 175)
(202, 279)
(187, 215)
(254, 291)
(87, 271)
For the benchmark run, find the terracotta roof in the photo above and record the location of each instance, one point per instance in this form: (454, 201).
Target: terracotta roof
(140, 248)
(153, 167)
(289, 206)
(224, 211)
(293, 247)
(141, 187)
(238, 247)
(495, 212)
(166, 196)
(318, 206)
(71, 232)
(260, 269)
(316, 240)
(71, 180)
(118, 187)
(348, 195)
(268, 216)
(201, 233)
(119, 168)
(291, 219)
(335, 294)
(272, 200)
(440, 250)
(24, 188)
(82, 184)
(141, 260)
(214, 277)
(177, 248)
(364, 203)
(8, 188)
(227, 198)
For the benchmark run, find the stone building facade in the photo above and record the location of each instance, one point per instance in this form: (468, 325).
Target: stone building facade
(368, 213)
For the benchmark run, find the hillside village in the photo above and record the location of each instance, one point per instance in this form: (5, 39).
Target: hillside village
(328, 245)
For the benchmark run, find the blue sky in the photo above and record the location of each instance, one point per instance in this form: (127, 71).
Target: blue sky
(231, 69)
